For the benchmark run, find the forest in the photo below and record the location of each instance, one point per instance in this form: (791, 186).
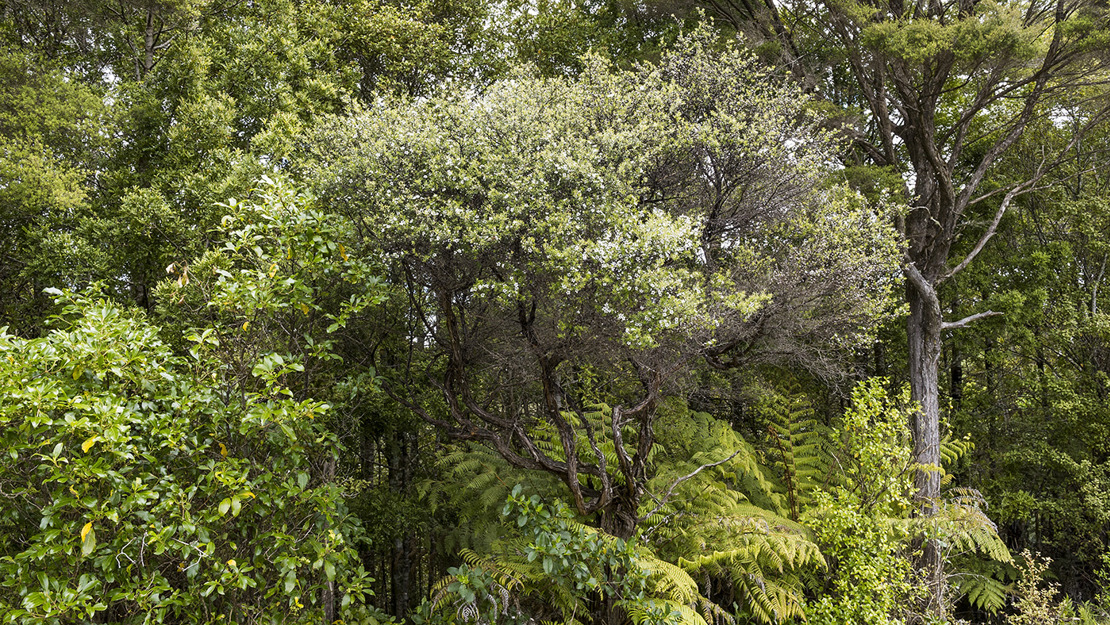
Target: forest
(583, 312)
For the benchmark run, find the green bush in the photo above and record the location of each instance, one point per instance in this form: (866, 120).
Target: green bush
(138, 486)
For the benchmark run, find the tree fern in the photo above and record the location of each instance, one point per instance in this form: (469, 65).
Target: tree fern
(559, 567)
(968, 535)
(983, 592)
(474, 483)
(727, 522)
(962, 523)
(798, 442)
(673, 613)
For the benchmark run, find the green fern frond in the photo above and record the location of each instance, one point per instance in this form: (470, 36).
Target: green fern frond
(799, 444)
(963, 524)
(984, 592)
(952, 450)
(761, 567)
(670, 581)
(640, 612)
(772, 602)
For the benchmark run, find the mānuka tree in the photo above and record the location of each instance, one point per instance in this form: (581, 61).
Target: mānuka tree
(572, 246)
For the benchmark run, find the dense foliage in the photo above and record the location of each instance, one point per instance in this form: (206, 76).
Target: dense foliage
(586, 313)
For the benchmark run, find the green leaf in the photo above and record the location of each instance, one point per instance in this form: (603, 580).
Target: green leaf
(224, 506)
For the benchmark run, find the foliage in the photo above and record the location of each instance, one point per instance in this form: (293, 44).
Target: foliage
(720, 523)
(559, 568)
(1028, 387)
(859, 519)
(1034, 598)
(277, 291)
(48, 134)
(560, 247)
(141, 487)
(800, 445)
(717, 512)
(584, 244)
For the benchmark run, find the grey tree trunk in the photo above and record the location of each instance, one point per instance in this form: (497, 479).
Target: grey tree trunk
(923, 330)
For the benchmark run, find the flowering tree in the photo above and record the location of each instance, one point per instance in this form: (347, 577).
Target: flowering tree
(566, 252)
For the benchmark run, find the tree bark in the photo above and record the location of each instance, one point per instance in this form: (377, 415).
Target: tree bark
(923, 329)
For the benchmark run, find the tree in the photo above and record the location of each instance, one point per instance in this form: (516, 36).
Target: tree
(1030, 386)
(938, 92)
(566, 252)
(183, 450)
(48, 139)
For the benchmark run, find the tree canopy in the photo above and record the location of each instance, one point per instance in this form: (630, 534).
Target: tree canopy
(517, 312)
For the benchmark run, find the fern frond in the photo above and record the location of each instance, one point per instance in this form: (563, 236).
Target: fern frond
(761, 566)
(952, 450)
(770, 601)
(640, 612)
(984, 592)
(962, 522)
(800, 444)
(670, 581)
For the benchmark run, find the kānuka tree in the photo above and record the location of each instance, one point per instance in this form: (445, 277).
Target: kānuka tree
(560, 246)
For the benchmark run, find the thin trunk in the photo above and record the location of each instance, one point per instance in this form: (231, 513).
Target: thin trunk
(956, 379)
(328, 592)
(400, 477)
(148, 44)
(1042, 372)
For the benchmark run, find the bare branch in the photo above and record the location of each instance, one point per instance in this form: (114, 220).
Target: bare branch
(1005, 204)
(919, 280)
(670, 491)
(952, 325)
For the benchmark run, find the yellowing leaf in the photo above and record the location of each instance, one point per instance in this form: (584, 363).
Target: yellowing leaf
(88, 539)
(245, 324)
(342, 251)
(223, 450)
(87, 445)
(273, 269)
(304, 308)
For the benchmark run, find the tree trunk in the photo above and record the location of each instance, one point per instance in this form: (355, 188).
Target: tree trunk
(400, 478)
(956, 379)
(619, 518)
(923, 330)
(328, 592)
(148, 45)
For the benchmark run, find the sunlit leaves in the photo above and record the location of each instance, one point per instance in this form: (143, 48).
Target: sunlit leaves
(171, 480)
